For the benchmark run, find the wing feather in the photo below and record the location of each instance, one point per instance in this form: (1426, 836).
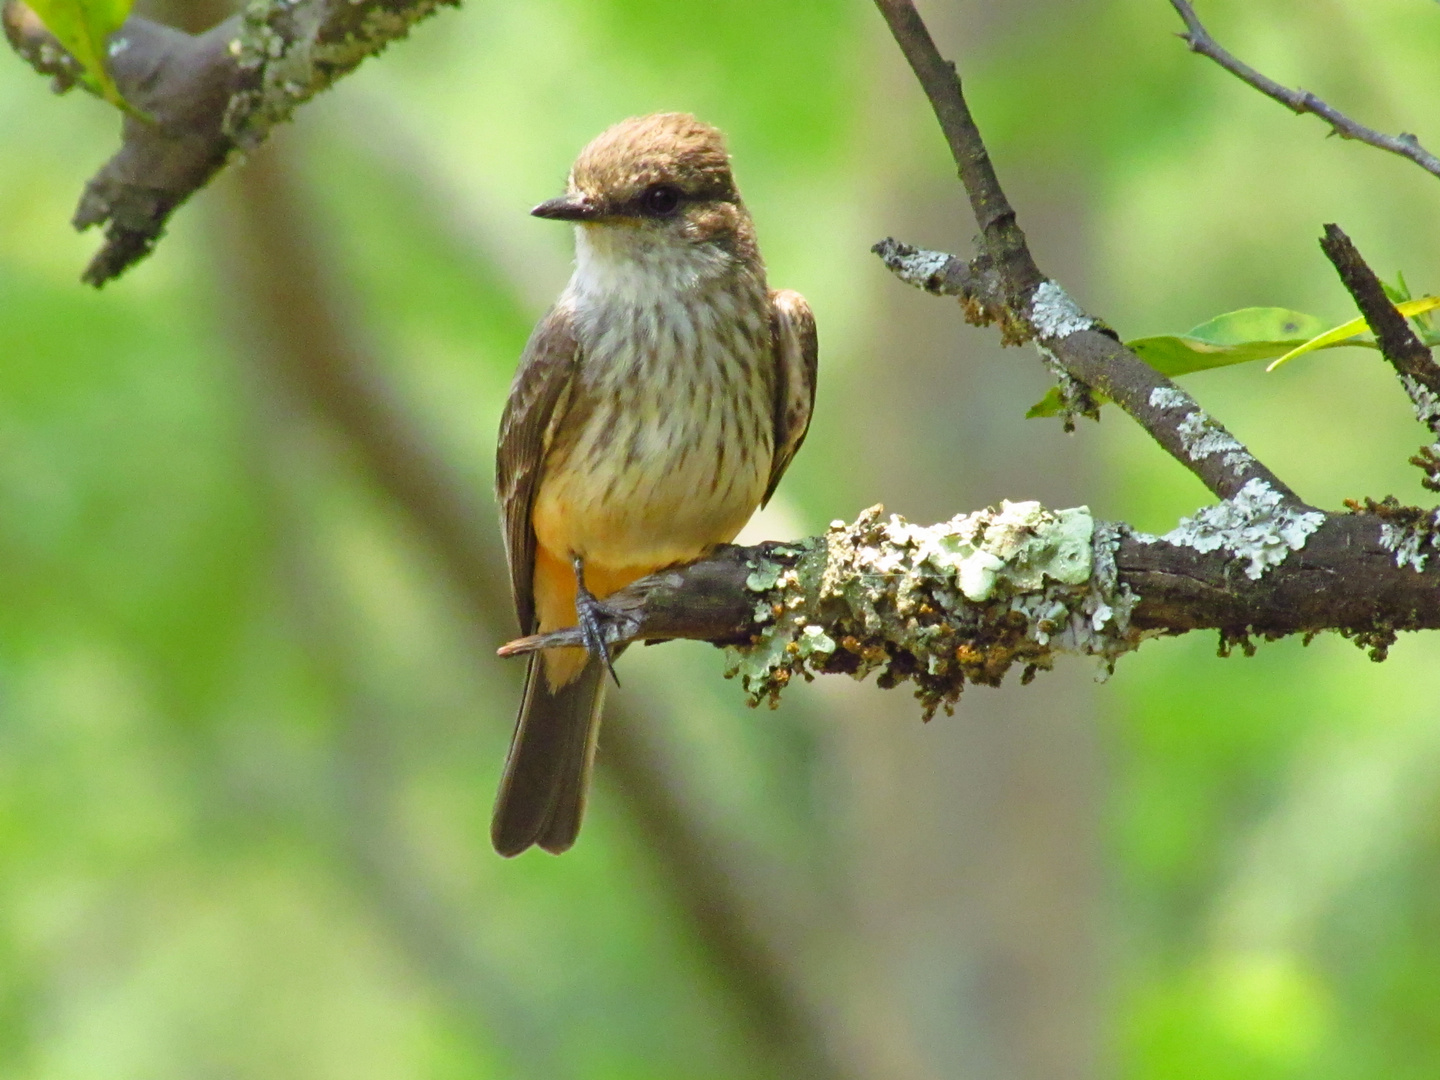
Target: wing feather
(797, 353)
(538, 399)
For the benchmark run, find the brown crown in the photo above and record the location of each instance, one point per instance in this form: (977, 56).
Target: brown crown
(671, 148)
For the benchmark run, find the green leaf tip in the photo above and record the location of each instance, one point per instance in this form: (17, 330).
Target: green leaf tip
(1349, 333)
(83, 28)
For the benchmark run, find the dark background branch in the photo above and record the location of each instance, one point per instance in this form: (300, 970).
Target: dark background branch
(1408, 355)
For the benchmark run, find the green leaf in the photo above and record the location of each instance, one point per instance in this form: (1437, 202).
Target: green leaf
(1424, 321)
(83, 27)
(1399, 292)
(1343, 334)
(1049, 405)
(1237, 337)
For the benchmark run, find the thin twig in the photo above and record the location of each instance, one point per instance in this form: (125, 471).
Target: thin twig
(1301, 102)
(1004, 241)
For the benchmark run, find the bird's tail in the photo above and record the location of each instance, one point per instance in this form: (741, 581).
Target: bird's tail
(547, 774)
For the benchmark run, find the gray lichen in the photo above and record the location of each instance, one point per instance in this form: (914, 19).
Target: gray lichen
(1407, 541)
(1427, 403)
(1257, 526)
(1075, 397)
(943, 605)
(1201, 438)
(1171, 397)
(914, 266)
(1054, 315)
(289, 51)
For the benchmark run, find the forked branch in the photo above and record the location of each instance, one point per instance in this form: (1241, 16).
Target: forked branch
(1005, 286)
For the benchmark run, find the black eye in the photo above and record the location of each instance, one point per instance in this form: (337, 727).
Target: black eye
(660, 200)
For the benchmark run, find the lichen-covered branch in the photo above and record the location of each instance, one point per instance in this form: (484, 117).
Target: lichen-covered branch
(204, 97)
(1085, 356)
(967, 600)
(1004, 286)
(1301, 101)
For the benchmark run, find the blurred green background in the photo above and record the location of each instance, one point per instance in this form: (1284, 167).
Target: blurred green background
(250, 718)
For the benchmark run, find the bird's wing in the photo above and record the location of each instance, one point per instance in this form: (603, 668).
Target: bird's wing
(538, 399)
(797, 351)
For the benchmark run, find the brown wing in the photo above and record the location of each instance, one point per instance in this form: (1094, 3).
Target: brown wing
(538, 398)
(797, 353)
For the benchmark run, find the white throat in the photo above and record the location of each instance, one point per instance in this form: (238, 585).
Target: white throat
(633, 265)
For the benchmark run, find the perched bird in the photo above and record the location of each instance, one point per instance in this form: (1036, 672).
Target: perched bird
(657, 404)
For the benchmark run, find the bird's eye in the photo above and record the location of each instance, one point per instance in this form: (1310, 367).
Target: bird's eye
(660, 200)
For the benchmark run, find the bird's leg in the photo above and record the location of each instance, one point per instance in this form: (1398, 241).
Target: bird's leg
(592, 614)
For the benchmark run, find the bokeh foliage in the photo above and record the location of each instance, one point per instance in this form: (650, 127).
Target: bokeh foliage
(244, 722)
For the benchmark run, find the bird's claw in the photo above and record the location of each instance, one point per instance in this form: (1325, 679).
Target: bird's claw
(592, 614)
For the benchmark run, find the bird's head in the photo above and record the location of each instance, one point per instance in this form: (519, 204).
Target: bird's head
(655, 181)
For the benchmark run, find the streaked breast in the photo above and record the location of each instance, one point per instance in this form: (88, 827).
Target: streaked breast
(666, 445)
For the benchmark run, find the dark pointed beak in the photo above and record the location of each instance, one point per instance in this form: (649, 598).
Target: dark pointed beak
(567, 208)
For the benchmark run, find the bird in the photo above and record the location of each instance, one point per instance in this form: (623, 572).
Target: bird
(655, 407)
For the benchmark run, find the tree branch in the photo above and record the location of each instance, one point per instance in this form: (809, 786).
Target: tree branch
(207, 96)
(1300, 101)
(1004, 285)
(968, 599)
(1408, 355)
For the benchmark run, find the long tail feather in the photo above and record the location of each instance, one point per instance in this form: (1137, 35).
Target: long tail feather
(547, 775)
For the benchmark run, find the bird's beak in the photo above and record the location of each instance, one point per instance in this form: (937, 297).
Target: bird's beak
(567, 208)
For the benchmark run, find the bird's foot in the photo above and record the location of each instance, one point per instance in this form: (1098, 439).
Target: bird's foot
(593, 614)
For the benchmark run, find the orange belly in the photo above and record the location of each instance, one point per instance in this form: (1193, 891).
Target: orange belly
(620, 544)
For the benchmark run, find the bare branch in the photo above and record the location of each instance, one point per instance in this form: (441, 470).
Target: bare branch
(207, 95)
(1408, 355)
(968, 599)
(1411, 358)
(1004, 285)
(1301, 101)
